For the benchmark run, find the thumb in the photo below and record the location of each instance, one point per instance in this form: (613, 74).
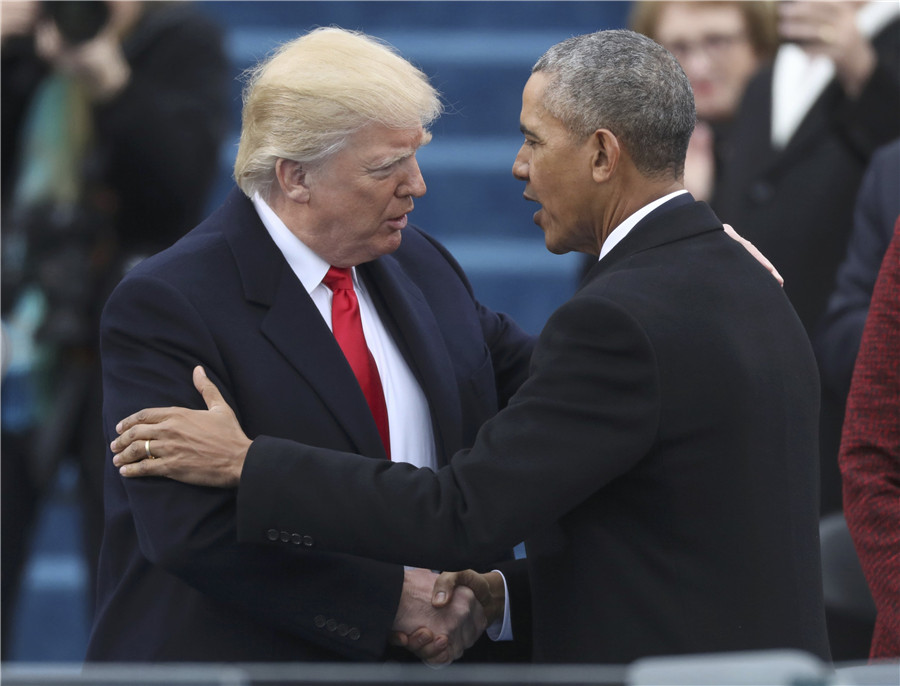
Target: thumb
(443, 589)
(211, 395)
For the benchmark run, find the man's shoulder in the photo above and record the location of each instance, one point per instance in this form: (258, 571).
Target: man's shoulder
(190, 257)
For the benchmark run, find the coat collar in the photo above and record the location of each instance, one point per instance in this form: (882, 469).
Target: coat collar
(679, 218)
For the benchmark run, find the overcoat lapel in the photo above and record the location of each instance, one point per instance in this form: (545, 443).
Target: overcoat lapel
(295, 327)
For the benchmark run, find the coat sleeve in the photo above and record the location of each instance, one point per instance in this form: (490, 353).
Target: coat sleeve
(151, 337)
(870, 453)
(588, 412)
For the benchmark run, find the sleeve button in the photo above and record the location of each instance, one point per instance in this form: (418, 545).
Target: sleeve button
(319, 621)
(353, 635)
(272, 534)
(308, 541)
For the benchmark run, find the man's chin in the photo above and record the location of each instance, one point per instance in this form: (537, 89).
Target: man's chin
(555, 247)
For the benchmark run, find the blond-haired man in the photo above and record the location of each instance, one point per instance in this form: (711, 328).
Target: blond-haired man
(328, 175)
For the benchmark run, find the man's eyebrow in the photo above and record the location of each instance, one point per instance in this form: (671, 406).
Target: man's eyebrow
(528, 132)
(405, 154)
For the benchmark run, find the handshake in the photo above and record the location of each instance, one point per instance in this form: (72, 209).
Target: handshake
(440, 616)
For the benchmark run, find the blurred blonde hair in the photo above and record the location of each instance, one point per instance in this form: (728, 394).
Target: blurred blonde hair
(315, 91)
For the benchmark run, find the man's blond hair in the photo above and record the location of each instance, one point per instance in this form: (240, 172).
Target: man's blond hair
(303, 102)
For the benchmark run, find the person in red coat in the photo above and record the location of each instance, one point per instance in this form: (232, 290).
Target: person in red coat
(870, 453)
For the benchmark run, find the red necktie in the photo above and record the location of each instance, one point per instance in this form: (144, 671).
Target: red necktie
(347, 327)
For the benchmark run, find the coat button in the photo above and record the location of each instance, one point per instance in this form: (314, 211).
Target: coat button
(296, 539)
(285, 537)
(272, 534)
(331, 625)
(308, 541)
(319, 621)
(353, 635)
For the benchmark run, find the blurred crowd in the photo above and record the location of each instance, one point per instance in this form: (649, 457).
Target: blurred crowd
(113, 114)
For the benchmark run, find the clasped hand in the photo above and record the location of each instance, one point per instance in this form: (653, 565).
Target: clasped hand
(440, 616)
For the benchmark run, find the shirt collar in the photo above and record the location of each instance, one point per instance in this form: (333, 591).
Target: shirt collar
(307, 265)
(617, 234)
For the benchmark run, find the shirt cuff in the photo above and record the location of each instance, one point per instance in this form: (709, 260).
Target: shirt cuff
(501, 629)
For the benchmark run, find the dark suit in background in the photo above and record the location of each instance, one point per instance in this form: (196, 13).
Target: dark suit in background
(796, 203)
(174, 583)
(660, 460)
(877, 209)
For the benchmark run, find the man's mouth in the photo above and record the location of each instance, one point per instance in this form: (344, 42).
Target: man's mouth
(398, 222)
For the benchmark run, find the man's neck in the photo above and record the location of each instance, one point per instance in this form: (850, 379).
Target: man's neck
(631, 198)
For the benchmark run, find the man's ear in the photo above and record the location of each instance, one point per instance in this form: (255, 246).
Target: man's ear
(606, 153)
(293, 180)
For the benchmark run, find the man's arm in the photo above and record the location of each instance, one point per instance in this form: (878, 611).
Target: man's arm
(466, 514)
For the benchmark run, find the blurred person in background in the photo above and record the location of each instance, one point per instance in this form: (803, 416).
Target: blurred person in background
(837, 339)
(804, 136)
(720, 46)
(113, 114)
(870, 453)
(867, 487)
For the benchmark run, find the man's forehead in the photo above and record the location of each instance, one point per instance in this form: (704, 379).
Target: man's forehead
(384, 138)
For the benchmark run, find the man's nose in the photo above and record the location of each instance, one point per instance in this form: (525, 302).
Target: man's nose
(520, 165)
(415, 182)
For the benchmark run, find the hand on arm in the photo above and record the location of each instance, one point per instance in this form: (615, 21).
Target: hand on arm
(202, 447)
(753, 250)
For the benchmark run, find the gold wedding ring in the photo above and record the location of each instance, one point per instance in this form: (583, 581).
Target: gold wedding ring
(150, 456)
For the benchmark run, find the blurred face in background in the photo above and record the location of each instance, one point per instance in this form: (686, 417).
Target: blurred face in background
(712, 44)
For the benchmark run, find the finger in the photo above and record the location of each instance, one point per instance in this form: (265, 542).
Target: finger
(208, 390)
(135, 452)
(442, 593)
(399, 639)
(156, 467)
(753, 250)
(438, 650)
(423, 637)
(149, 415)
(135, 435)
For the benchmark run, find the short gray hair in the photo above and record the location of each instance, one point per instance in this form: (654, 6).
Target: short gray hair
(306, 100)
(625, 82)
